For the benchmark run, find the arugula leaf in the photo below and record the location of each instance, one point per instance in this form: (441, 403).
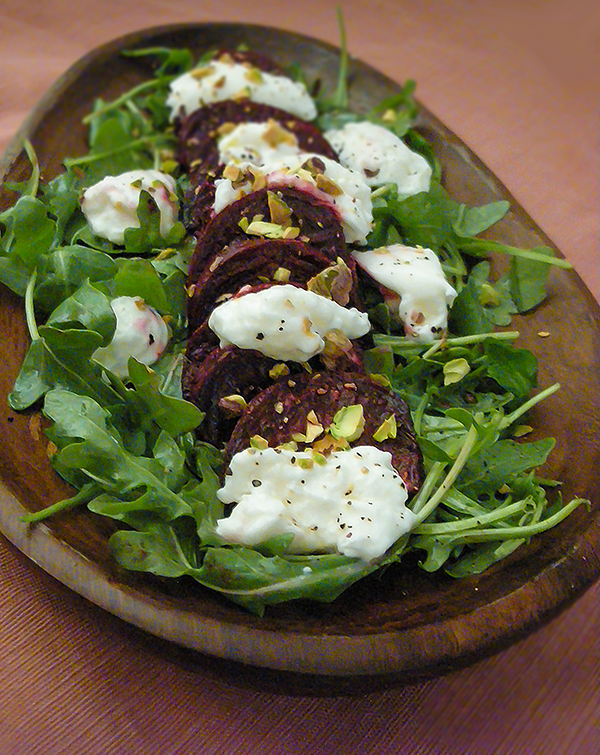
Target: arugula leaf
(527, 280)
(486, 472)
(66, 269)
(31, 231)
(255, 581)
(93, 447)
(472, 221)
(173, 415)
(516, 370)
(468, 316)
(89, 307)
(60, 358)
(148, 236)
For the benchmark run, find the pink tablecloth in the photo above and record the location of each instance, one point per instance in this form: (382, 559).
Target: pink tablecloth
(515, 80)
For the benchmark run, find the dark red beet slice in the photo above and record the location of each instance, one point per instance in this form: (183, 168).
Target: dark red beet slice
(252, 262)
(318, 222)
(281, 411)
(198, 132)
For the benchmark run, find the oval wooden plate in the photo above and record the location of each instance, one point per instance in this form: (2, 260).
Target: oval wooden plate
(400, 626)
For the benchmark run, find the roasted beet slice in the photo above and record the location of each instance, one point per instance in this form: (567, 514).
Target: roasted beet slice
(317, 220)
(212, 373)
(250, 263)
(281, 411)
(198, 133)
(224, 372)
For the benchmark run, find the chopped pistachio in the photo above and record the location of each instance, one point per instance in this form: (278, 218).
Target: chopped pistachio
(335, 282)
(337, 344)
(274, 135)
(304, 463)
(313, 429)
(328, 186)
(522, 430)
(169, 166)
(278, 209)
(279, 370)
(315, 166)
(262, 228)
(243, 94)
(258, 442)
(281, 275)
(233, 173)
(381, 379)
(200, 73)
(291, 445)
(455, 370)
(253, 75)
(226, 128)
(387, 429)
(328, 444)
(236, 398)
(488, 296)
(233, 405)
(348, 423)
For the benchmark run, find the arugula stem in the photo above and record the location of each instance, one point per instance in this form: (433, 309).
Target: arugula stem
(107, 107)
(29, 308)
(444, 528)
(510, 418)
(425, 490)
(87, 159)
(85, 495)
(401, 342)
(34, 181)
(523, 532)
(459, 463)
(472, 246)
(340, 97)
(420, 411)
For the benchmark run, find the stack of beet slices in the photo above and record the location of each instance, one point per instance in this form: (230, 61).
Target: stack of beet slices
(243, 392)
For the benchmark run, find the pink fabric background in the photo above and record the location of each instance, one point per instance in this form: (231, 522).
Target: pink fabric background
(516, 81)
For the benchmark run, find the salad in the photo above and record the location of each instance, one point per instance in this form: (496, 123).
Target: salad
(108, 309)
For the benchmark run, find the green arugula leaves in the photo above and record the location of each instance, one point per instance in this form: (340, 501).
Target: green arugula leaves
(128, 445)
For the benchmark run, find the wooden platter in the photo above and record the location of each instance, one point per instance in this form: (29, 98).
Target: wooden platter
(395, 628)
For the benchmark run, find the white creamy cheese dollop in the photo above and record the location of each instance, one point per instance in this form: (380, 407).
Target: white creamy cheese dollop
(284, 322)
(110, 206)
(380, 156)
(257, 143)
(353, 503)
(140, 332)
(224, 79)
(416, 276)
(347, 192)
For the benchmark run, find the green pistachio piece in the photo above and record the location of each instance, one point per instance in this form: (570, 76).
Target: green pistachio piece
(348, 423)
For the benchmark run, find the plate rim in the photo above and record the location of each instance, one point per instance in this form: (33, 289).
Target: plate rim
(68, 565)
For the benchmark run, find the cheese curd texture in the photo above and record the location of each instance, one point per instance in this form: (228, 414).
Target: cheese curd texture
(353, 504)
(415, 275)
(223, 79)
(380, 156)
(346, 191)
(140, 332)
(257, 143)
(284, 322)
(110, 206)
